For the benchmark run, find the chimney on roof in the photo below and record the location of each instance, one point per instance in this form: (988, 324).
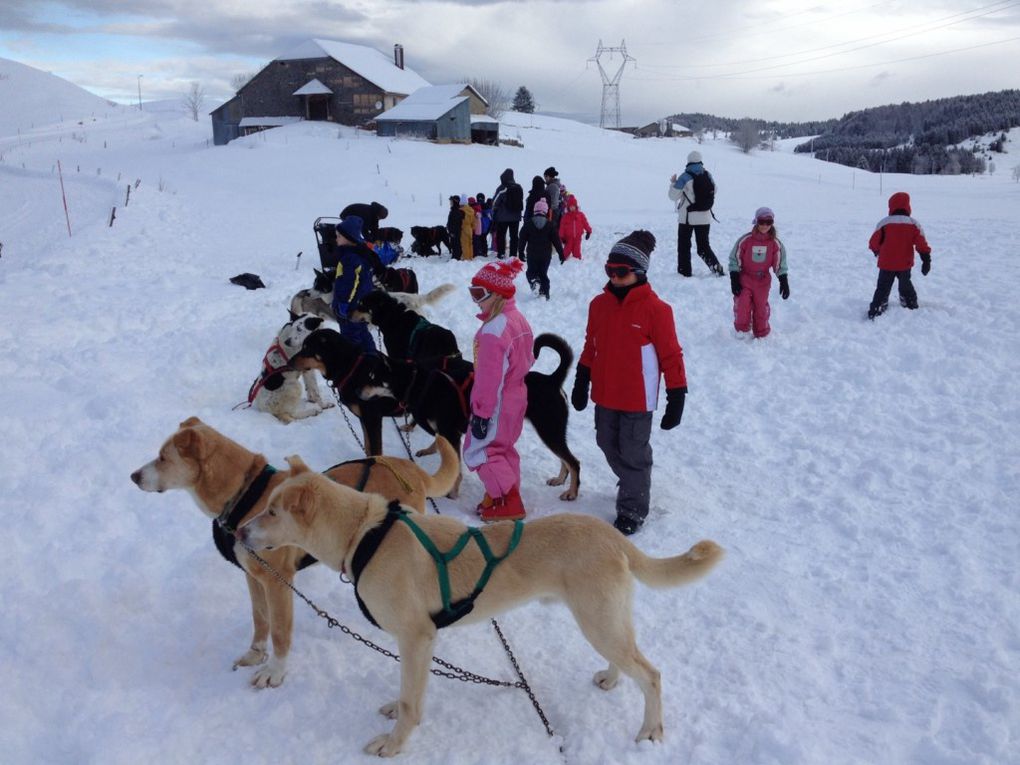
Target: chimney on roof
(398, 55)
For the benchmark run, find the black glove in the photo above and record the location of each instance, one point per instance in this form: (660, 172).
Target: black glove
(674, 408)
(925, 264)
(582, 379)
(479, 426)
(587, 234)
(735, 283)
(784, 287)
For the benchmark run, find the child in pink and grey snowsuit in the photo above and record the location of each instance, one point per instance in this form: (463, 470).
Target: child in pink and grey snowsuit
(503, 356)
(573, 225)
(751, 258)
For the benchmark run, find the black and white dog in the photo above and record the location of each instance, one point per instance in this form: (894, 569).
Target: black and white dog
(317, 300)
(429, 240)
(406, 333)
(277, 390)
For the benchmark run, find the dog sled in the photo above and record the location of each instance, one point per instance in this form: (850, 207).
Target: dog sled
(325, 239)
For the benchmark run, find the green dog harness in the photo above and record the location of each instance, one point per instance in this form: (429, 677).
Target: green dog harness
(451, 612)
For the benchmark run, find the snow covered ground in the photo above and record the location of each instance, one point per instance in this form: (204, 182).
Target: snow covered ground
(862, 476)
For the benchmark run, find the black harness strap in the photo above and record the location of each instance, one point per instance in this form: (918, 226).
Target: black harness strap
(366, 549)
(366, 470)
(225, 525)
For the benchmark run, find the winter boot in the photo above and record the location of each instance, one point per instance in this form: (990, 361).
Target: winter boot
(506, 508)
(877, 310)
(626, 525)
(484, 505)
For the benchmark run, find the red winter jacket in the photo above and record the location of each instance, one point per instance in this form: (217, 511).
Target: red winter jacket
(897, 236)
(574, 223)
(627, 345)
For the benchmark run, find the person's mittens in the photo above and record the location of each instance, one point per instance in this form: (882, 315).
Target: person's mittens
(479, 426)
(579, 395)
(674, 408)
(735, 283)
(925, 264)
(784, 286)
(587, 234)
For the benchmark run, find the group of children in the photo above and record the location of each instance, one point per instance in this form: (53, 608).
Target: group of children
(630, 339)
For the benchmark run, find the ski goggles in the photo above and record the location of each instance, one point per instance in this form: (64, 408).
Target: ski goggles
(765, 221)
(478, 294)
(620, 272)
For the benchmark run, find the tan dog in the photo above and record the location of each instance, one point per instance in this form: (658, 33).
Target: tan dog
(216, 471)
(578, 559)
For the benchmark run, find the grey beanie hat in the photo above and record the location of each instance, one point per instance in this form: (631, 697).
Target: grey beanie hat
(635, 250)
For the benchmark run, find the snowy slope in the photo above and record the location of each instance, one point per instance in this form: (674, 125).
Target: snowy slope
(862, 476)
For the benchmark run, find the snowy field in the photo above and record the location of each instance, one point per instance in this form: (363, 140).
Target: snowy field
(863, 477)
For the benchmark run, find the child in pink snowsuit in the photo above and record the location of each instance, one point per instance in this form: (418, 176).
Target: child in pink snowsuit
(750, 260)
(503, 352)
(573, 224)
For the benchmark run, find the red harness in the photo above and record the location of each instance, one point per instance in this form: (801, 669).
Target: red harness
(269, 369)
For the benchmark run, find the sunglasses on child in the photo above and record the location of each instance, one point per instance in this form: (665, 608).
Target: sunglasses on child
(620, 272)
(765, 221)
(478, 294)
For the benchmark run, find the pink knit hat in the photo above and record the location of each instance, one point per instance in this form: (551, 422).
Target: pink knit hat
(499, 276)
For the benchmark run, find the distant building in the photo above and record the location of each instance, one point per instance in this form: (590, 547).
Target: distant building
(318, 80)
(663, 129)
(444, 113)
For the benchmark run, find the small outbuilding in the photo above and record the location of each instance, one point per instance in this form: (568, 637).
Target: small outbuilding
(443, 113)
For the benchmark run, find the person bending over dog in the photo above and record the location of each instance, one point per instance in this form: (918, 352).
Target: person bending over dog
(357, 264)
(499, 397)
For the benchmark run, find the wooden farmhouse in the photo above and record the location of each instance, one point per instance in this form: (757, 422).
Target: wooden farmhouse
(323, 80)
(663, 129)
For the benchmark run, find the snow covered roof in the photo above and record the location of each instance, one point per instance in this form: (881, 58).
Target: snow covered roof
(313, 88)
(374, 66)
(678, 128)
(483, 119)
(267, 121)
(428, 103)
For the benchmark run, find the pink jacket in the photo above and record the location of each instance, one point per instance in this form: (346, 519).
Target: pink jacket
(503, 350)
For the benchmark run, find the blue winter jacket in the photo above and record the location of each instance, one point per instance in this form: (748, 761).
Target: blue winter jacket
(353, 276)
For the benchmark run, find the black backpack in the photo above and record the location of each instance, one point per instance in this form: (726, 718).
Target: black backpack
(704, 192)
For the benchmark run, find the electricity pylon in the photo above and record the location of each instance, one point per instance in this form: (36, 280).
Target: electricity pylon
(611, 85)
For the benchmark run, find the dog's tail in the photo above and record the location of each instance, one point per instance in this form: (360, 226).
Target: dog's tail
(417, 302)
(562, 347)
(680, 569)
(442, 483)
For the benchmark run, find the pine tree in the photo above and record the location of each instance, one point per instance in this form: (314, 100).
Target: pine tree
(523, 102)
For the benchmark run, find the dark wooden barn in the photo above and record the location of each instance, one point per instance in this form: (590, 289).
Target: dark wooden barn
(442, 113)
(318, 80)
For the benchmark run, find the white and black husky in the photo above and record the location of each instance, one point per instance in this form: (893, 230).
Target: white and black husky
(317, 300)
(277, 390)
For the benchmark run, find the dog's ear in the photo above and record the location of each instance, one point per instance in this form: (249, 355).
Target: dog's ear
(191, 422)
(191, 443)
(314, 322)
(317, 272)
(297, 465)
(293, 316)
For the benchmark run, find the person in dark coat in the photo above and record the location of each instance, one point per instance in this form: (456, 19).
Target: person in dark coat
(507, 204)
(538, 239)
(370, 215)
(537, 192)
(454, 223)
(554, 194)
(357, 263)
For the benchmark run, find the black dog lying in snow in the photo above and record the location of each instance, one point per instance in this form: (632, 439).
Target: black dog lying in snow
(428, 240)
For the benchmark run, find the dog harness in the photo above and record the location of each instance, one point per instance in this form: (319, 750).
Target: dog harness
(451, 612)
(366, 472)
(225, 525)
(271, 365)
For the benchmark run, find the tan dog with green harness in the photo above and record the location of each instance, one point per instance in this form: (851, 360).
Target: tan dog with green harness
(577, 559)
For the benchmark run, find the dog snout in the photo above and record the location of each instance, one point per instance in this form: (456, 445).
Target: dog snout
(137, 477)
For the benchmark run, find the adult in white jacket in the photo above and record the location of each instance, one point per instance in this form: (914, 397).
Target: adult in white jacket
(694, 194)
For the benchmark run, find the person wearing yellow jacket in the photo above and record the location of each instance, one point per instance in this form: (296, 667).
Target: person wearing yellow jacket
(467, 229)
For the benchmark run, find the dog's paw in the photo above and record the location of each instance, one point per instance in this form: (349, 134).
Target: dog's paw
(270, 676)
(606, 679)
(389, 711)
(326, 404)
(382, 746)
(556, 481)
(650, 733)
(569, 495)
(254, 656)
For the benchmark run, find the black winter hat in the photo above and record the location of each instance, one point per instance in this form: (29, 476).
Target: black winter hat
(550, 171)
(633, 250)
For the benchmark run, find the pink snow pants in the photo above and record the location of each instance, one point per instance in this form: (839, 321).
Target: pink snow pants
(751, 306)
(495, 457)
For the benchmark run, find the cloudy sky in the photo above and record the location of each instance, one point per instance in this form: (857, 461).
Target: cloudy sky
(777, 59)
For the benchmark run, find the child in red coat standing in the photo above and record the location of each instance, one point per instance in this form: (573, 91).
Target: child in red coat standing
(896, 237)
(573, 224)
(753, 256)
(629, 344)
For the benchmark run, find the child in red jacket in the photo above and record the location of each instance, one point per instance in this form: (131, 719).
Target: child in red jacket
(572, 225)
(896, 237)
(630, 341)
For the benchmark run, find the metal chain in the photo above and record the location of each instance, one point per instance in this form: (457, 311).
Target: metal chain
(522, 683)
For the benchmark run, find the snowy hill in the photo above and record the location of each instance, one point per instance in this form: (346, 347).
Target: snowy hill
(861, 476)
